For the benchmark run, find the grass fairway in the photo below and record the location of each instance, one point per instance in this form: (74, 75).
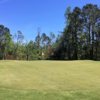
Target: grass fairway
(49, 80)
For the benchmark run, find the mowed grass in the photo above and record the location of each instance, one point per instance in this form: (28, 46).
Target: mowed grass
(49, 80)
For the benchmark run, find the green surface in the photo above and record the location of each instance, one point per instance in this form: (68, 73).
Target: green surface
(49, 80)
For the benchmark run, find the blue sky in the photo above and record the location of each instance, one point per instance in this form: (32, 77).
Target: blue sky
(28, 15)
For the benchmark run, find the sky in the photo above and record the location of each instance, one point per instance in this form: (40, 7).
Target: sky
(30, 15)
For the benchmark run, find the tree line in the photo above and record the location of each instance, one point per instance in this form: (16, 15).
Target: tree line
(81, 36)
(16, 48)
(80, 39)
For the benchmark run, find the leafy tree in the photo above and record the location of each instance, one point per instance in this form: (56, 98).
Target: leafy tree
(5, 38)
(18, 43)
(80, 38)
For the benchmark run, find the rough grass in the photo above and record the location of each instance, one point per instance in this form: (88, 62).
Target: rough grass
(49, 80)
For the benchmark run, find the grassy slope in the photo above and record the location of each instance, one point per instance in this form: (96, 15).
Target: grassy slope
(49, 80)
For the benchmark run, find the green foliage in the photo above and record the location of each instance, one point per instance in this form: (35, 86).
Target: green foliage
(80, 38)
(5, 38)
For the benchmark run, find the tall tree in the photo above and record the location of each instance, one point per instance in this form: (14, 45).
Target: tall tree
(18, 38)
(5, 38)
